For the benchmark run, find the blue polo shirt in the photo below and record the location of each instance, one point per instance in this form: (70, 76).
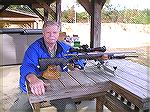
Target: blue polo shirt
(39, 50)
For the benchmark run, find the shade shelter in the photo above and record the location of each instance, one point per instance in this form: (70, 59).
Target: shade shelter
(93, 7)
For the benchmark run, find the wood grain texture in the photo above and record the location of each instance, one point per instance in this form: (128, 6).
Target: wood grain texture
(128, 81)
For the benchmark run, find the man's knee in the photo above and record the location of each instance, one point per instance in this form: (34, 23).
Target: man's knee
(64, 105)
(21, 104)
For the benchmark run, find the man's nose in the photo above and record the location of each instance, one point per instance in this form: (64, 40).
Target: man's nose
(51, 34)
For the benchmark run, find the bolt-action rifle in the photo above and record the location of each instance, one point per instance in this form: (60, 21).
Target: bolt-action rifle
(84, 53)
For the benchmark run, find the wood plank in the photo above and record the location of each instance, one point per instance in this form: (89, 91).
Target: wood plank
(90, 63)
(128, 94)
(67, 80)
(71, 92)
(53, 85)
(81, 78)
(16, 2)
(132, 65)
(132, 79)
(136, 66)
(135, 89)
(36, 107)
(138, 78)
(92, 75)
(36, 5)
(115, 105)
(129, 91)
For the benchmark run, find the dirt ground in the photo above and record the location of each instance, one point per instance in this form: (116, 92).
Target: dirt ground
(9, 80)
(126, 38)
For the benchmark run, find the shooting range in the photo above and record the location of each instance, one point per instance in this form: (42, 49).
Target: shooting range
(120, 85)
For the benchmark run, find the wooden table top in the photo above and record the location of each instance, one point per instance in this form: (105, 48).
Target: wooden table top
(131, 80)
(73, 84)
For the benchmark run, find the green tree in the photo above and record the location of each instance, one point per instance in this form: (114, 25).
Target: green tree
(82, 17)
(147, 16)
(69, 15)
(109, 13)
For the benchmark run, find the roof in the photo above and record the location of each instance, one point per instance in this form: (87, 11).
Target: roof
(12, 15)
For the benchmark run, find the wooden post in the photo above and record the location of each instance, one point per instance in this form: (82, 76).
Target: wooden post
(46, 12)
(58, 12)
(99, 104)
(95, 24)
(36, 107)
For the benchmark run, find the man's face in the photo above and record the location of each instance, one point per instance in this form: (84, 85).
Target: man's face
(51, 34)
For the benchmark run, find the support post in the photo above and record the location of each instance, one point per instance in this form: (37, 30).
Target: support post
(95, 24)
(36, 107)
(99, 104)
(58, 12)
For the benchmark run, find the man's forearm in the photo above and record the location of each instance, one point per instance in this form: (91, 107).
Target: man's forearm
(31, 77)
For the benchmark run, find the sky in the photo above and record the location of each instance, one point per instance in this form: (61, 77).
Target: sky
(120, 4)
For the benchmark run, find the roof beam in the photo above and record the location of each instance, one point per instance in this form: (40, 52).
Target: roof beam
(36, 12)
(36, 5)
(101, 2)
(22, 2)
(16, 2)
(87, 5)
(47, 8)
(3, 8)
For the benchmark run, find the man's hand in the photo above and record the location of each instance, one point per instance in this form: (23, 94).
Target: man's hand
(105, 57)
(36, 85)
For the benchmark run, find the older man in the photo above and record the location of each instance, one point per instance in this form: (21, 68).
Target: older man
(46, 47)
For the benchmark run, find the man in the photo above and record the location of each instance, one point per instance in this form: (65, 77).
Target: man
(46, 47)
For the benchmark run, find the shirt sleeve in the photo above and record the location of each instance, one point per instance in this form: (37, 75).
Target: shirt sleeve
(30, 63)
(81, 63)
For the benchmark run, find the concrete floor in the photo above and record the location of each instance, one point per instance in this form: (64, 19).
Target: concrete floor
(9, 80)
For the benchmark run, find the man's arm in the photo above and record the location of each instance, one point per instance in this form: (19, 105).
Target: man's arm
(36, 85)
(29, 72)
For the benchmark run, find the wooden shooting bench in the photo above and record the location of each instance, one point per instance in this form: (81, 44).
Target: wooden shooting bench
(79, 85)
(130, 87)
(127, 90)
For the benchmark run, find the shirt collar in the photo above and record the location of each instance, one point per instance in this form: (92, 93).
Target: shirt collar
(59, 46)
